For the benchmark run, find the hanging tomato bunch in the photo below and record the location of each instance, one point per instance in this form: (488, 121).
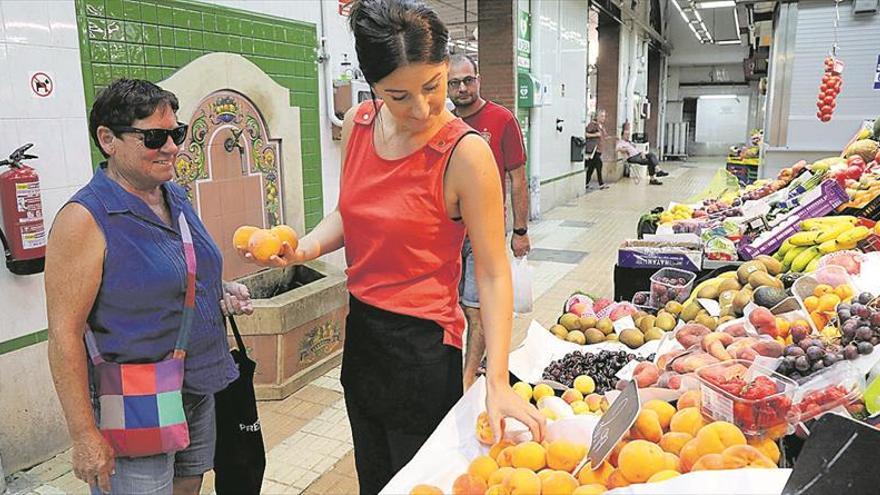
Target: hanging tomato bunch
(830, 88)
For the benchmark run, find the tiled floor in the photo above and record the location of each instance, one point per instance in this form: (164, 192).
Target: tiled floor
(308, 440)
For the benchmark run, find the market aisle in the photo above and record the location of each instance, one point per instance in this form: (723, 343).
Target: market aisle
(307, 436)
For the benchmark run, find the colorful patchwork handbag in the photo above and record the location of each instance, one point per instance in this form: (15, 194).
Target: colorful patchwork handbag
(141, 407)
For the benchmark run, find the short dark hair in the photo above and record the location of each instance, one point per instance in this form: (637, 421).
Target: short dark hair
(391, 33)
(123, 102)
(460, 58)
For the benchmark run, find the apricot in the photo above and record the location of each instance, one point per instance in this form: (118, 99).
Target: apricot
(617, 480)
(639, 460)
(545, 473)
(505, 457)
(548, 413)
(558, 483)
(688, 420)
(499, 477)
(594, 401)
(615, 452)
(531, 455)
(647, 426)
(663, 476)
(240, 241)
(584, 384)
(709, 462)
(572, 395)
(671, 461)
(745, 456)
(580, 407)
(664, 411)
(591, 489)
(468, 484)
(542, 390)
(691, 398)
(484, 429)
(263, 245)
(523, 481)
(425, 490)
(767, 447)
(587, 476)
(673, 441)
(483, 467)
(286, 234)
(688, 456)
(498, 447)
(564, 455)
(523, 390)
(717, 436)
(497, 490)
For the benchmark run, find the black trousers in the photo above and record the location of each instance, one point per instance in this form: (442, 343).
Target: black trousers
(649, 159)
(592, 164)
(400, 380)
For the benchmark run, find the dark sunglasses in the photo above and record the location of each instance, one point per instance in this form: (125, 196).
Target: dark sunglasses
(156, 138)
(455, 83)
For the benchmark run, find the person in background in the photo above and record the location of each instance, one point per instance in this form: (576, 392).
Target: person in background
(595, 132)
(501, 131)
(624, 145)
(115, 261)
(413, 178)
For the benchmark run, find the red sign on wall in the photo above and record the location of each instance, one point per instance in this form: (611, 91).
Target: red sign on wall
(344, 7)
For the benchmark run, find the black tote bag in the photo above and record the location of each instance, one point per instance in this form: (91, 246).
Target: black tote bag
(240, 456)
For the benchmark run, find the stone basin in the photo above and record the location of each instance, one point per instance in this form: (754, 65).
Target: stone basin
(298, 327)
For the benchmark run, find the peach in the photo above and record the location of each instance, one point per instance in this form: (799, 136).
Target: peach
(617, 480)
(484, 429)
(425, 490)
(468, 484)
(671, 461)
(688, 456)
(717, 436)
(688, 420)
(587, 476)
(564, 455)
(531, 455)
(499, 477)
(558, 483)
(523, 481)
(594, 401)
(240, 240)
(673, 441)
(663, 476)
(646, 374)
(745, 456)
(286, 234)
(483, 467)
(647, 426)
(767, 447)
(263, 245)
(542, 390)
(709, 462)
(505, 457)
(639, 460)
(580, 407)
(664, 411)
(572, 395)
(591, 489)
(691, 398)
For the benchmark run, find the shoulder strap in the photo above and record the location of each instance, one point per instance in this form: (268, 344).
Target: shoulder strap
(238, 340)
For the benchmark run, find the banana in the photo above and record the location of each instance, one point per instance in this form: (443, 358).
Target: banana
(778, 256)
(815, 223)
(809, 238)
(785, 247)
(813, 265)
(854, 235)
(833, 231)
(799, 264)
(829, 246)
(790, 256)
(843, 246)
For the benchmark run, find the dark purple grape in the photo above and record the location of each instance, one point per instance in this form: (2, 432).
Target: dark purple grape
(865, 298)
(864, 334)
(815, 353)
(844, 314)
(794, 351)
(875, 319)
(818, 365)
(802, 363)
(830, 359)
(863, 312)
(850, 352)
(806, 343)
(798, 334)
(865, 348)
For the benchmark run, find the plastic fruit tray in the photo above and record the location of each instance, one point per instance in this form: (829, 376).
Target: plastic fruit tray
(837, 386)
(671, 284)
(804, 287)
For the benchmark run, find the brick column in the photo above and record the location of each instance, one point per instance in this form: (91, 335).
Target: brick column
(497, 51)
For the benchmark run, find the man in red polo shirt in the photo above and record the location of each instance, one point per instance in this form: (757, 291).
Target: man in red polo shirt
(501, 130)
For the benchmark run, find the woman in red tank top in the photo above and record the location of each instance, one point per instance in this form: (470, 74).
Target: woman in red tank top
(414, 177)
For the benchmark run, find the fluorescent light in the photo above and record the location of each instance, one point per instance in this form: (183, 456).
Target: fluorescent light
(736, 20)
(728, 42)
(716, 4)
(719, 97)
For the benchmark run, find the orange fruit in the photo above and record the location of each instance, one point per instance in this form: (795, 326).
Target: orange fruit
(483, 467)
(242, 235)
(639, 460)
(425, 490)
(828, 302)
(263, 245)
(285, 234)
(811, 303)
(822, 289)
(843, 291)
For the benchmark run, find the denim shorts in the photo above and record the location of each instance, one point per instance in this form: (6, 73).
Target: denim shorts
(155, 474)
(468, 293)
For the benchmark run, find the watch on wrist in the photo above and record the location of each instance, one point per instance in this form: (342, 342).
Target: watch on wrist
(522, 231)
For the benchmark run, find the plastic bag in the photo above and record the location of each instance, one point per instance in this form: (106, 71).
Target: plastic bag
(521, 276)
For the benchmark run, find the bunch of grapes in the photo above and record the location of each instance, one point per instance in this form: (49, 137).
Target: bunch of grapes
(859, 326)
(601, 366)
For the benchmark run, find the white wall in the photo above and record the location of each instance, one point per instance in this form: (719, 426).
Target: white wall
(688, 51)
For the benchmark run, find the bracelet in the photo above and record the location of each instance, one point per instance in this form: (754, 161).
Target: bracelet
(522, 231)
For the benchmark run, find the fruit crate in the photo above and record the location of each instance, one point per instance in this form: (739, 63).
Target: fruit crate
(822, 201)
(754, 417)
(870, 210)
(671, 284)
(804, 287)
(841, 385)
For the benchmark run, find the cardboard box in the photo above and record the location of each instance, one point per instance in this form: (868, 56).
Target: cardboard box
(657, 254)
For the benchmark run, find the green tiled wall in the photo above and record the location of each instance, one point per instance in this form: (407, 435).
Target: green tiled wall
(150, 39)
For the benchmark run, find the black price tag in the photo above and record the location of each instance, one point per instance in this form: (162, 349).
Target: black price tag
(616, 421)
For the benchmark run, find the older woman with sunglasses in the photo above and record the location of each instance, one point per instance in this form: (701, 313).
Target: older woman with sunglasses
(117, 262)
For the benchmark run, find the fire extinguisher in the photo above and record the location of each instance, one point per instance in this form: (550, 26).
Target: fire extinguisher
(25, 240)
